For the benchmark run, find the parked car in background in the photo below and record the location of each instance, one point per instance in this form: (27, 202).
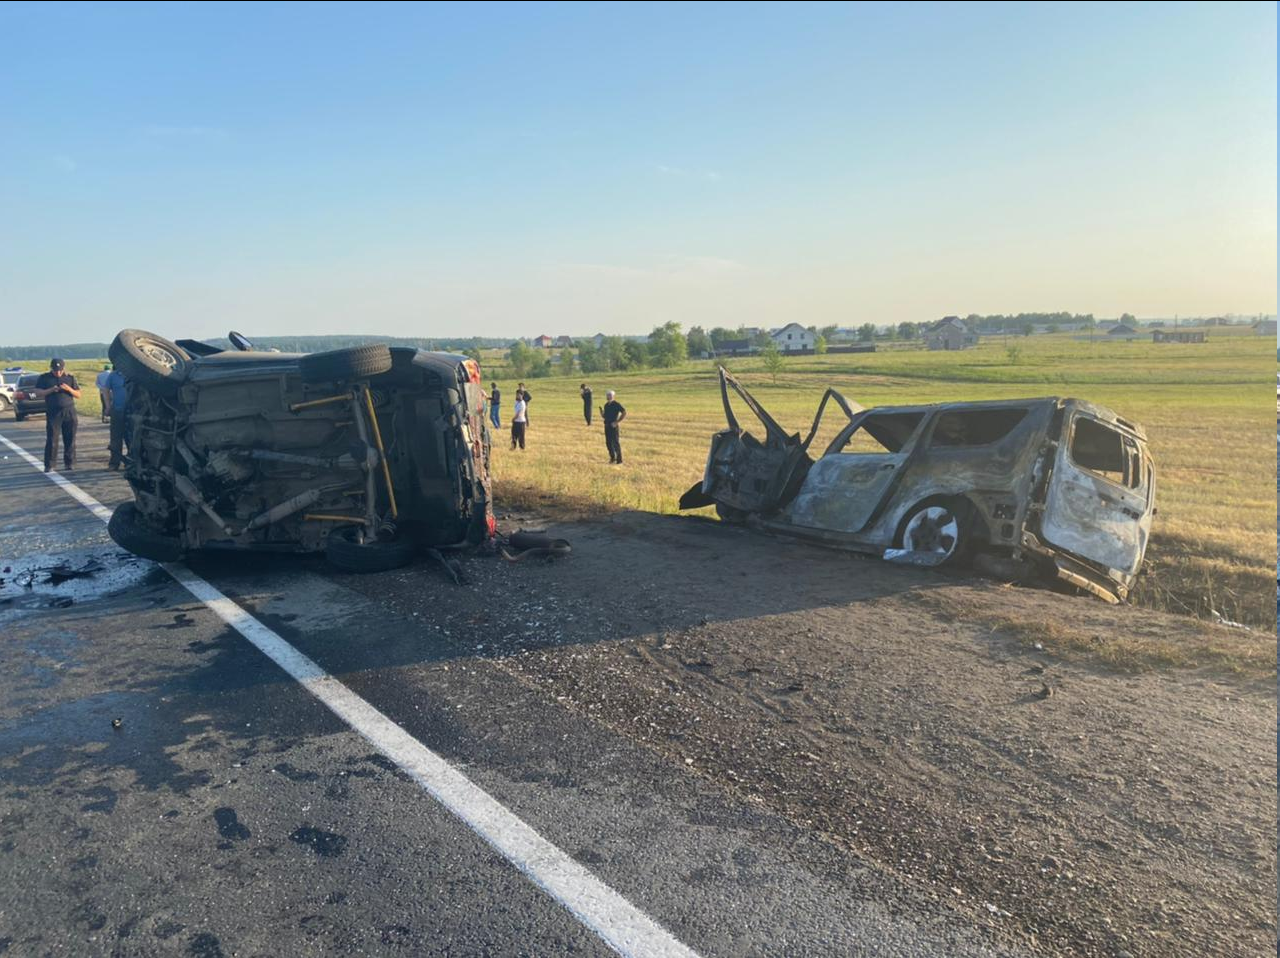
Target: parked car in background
(367, 454)
(24, 404)
(1063, 487)
(8, 386)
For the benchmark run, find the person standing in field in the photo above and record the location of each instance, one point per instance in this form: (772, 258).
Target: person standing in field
(522, 393)
(103, 396)
(586, 403)
(59, 391)
(519, 420)
(118, 393)
(613, 413)
(495, 405)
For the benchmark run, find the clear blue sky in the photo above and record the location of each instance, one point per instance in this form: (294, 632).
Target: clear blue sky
(504, 170)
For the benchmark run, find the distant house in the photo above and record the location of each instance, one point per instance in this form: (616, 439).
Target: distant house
(564, 342)
(793, 338)
(1264, 327)
(598, 340)
(948, 333)
(1177, 336)
(542, 342)
(1122, 331)
(734, 347)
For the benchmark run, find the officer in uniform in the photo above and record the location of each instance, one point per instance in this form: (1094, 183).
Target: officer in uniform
(59, 391)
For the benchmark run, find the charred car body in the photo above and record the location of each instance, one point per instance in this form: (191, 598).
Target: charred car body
(1062, 486)
(368, 454)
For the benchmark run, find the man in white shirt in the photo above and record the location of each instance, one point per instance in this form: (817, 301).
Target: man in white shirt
(518, 420)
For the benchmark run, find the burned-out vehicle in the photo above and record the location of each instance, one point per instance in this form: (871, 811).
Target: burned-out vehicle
(369, 454)
(1057, 486)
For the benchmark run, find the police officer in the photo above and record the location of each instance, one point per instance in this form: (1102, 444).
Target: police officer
(59, 391)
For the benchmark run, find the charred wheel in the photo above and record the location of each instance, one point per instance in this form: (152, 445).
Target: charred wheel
(150, 360)
(130, 531)
(359, 362)
(941, 528)
(348, 551)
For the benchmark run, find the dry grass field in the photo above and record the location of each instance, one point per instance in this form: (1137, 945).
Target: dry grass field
(1206, 408)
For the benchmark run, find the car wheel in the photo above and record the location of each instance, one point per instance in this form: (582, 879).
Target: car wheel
(359, 362)
(940, 529)
(151, 360)
(5, 404)
(129, 530)
(345, 552)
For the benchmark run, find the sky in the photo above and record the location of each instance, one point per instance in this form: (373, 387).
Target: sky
(509, 170)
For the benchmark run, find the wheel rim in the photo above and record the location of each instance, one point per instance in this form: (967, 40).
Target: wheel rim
(155, 351)
(935, 530)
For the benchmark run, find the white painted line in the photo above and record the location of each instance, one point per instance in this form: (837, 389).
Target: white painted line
(603, 911)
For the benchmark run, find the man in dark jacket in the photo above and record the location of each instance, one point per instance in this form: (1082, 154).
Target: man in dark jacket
(586, 403)
(59, 391)
(613, 414)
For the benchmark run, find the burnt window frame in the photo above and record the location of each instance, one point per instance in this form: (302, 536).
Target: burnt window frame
(837, 445)
(1130, 449)
(934, 447)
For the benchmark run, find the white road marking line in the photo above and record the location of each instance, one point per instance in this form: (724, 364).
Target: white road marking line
(603, 911)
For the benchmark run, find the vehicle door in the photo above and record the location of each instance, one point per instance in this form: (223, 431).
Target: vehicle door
(751, 475)
(1100, 495)
(845, 488)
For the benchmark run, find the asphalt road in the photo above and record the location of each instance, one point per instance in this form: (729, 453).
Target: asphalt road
(231, 812)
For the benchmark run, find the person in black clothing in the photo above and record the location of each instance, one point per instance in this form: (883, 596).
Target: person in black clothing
(612, 413)
(59, 391)
(586, 403)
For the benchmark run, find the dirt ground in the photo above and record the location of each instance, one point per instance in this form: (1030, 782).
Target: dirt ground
(1059, 804)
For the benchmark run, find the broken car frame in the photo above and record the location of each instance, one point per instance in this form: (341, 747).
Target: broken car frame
(1062, 486)
(369, 454)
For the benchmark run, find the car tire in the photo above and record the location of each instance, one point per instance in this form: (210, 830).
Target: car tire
(359, 362)
(152, 361)
(129, 530)
(942, 526)
(5, 404)
(374, 555)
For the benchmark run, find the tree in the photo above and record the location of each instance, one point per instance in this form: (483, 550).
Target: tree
(1128, 319)
(761, 339)
(720, 335)
(697, 341)
(566, 362)
(906, 330)
(474, 353)
(819, 344)
(521, 358)
(867, 332)
(828, 332)
(540, 365)
(588, 357)
(1027, 329)
(667, 346)
(771, 356)
(634, 354)
(615, 353)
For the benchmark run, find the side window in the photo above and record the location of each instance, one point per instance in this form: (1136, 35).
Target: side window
(1099, 449)
(975, 427)
(881, 433)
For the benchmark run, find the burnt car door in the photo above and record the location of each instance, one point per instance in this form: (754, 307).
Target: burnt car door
(845, 488)
(1098, 505)
(750, 475)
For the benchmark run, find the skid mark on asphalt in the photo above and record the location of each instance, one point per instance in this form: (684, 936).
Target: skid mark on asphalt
(599, 908)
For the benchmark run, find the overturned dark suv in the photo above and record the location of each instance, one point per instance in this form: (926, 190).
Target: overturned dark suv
(368, 454)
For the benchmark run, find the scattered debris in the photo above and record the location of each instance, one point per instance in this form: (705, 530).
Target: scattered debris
(117, 722)
(529, 544)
